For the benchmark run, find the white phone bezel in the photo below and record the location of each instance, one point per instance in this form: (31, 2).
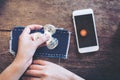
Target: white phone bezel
(90, 48)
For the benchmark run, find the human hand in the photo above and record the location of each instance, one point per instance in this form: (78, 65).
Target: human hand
(44, 70)
(26, 49)
(27, 45)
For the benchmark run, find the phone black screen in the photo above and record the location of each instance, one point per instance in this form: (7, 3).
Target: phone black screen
(85, 22)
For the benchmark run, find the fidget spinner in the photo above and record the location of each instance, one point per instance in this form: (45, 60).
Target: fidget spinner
(52, 42)
(50, 30)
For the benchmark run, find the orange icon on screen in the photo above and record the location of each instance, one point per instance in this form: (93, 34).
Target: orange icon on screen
(83, 32)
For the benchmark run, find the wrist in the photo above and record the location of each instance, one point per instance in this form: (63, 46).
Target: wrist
(22, 61)
(16, 69)
(13, 72)
(20, 65)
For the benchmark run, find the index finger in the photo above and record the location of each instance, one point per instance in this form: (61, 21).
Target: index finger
(32, 27)
(40, 62)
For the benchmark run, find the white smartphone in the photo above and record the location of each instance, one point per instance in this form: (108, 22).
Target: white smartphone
(85, 30)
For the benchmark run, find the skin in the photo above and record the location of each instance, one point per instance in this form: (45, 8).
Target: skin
(37, 69)
(45, 70)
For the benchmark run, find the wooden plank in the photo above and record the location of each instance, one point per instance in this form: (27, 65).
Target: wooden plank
(101, 65)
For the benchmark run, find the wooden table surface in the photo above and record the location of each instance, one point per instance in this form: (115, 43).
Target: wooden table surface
(101, 65)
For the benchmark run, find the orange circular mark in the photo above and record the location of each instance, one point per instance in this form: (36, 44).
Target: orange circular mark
(83, 32)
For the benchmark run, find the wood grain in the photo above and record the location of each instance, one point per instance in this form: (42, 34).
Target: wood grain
(101, 65)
